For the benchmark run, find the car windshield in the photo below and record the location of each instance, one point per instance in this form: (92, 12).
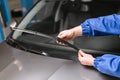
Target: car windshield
(40, 26)
(38, 29)
(40, 18)
(52, 16)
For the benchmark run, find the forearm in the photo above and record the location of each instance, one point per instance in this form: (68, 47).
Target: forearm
(77, 31)
(105, 25)
(108, 64)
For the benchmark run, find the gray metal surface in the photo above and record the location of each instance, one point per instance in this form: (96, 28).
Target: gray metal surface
(19, 65)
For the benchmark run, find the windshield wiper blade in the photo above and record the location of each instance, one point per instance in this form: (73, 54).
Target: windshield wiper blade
(46, 36)
(67, 43)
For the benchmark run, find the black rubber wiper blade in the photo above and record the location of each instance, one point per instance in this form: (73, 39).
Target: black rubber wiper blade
(46, 36)
(67, 43)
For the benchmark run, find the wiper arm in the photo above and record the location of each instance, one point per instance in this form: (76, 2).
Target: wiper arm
(46, 36)
(32, 32)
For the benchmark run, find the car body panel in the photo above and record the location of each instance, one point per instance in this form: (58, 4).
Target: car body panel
(22, 65)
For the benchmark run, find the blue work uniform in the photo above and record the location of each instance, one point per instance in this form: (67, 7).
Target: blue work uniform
(105, 25)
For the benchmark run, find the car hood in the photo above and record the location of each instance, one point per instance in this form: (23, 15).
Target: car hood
(20, 65)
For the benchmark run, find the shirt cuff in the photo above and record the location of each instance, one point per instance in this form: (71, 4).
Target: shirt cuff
(96, 61)
(85, 29)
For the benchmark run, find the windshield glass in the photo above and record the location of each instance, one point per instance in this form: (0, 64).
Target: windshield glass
(39, 28)
(41, 18)
(52, 16)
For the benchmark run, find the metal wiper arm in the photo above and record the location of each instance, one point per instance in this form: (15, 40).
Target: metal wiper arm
(46, 36)
(32, 32)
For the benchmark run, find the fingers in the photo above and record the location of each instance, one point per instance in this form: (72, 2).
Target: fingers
(80, 56)
(60, 43)
(85, 59)
(62, 34)
(81, 53)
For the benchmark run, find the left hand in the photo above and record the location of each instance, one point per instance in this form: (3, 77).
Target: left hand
(85, 59)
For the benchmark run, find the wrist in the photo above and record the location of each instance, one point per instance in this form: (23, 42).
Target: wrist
(77, 31)
(92, 64)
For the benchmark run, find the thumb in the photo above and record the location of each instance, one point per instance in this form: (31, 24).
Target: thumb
(61, 35)
(81, 53)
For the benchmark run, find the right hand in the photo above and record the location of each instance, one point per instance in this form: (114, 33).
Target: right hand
(70, 34)
(67, 35)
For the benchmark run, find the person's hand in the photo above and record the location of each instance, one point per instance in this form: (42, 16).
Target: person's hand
(67, 35)
(70, 34)
(85, 59)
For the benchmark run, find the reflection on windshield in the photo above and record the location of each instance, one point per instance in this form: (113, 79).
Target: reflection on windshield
(28, 18)
(39, 27)
(40, 18)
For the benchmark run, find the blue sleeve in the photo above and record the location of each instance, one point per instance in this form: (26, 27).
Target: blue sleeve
(108, 64)
(105, 25)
